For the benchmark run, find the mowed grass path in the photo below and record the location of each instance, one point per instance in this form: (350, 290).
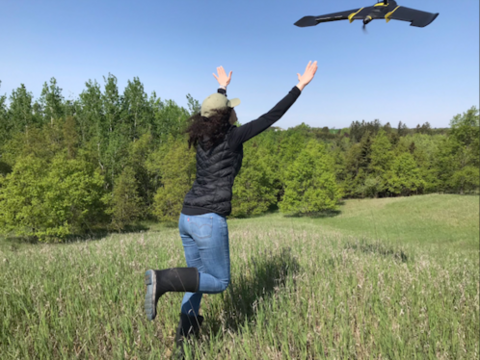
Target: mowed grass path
(440, 221)
(384, 279)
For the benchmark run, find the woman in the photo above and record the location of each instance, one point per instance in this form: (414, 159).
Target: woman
(202, 223)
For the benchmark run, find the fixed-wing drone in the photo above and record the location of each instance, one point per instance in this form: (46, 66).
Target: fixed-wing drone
(386, 9)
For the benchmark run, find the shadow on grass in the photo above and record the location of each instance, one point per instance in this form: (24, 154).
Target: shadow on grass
(16, 242)
(169, 224)
(318, 215)
(274, 209)
(269, 273)
(101, 233)
(379, 249)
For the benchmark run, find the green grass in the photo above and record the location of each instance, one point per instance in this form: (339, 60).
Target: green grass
(442, 221)
(387, 278)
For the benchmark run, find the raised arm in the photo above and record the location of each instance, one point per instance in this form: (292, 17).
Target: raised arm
(304, 80)
(255, 127)
(223, 79)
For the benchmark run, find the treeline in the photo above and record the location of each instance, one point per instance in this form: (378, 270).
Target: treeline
(107, 159)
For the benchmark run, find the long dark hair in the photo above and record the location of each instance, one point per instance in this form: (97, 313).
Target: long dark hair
(208, 131)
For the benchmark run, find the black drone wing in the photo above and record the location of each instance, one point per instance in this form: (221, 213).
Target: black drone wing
(342, 15)
(416, 17)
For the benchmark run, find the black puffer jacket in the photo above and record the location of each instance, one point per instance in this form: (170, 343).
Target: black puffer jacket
(217, 167)
(216, 171)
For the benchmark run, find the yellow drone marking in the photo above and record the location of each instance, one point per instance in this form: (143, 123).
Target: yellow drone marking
(387, 17)
(350, 17)
(380, 4)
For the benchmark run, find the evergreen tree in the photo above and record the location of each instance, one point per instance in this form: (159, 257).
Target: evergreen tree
(125, 205)
(381, 154)
(387, 128)
(357, 166)
(402, 129)
(355, 134)
(353, 173)
(426, 129)
(380, 162)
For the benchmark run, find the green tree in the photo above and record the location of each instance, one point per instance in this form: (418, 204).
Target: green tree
(404, 178)
(193, 105)
(176, 163)
(381, 154)
(254, 189)
(52, 101)
(70, 137)
(4, 123)
(357, 166)
(147, 182)
(169, 120)
(20, 113)
(35, 142)
(310, 185)
(125, 205)
(90, 116)
(50, 201)
(459, 155)
(4, 133)
(402, 129)
(381, 157)
(113, 141)
(137, 115)
(425, 155)
(290, 145)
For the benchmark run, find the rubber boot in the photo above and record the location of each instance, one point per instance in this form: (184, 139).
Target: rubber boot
(161, 281)
(187, 327)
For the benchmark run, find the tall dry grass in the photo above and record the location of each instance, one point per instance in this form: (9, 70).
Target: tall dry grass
(301, 289)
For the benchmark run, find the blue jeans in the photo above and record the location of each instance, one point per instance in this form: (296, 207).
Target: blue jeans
(205, 242)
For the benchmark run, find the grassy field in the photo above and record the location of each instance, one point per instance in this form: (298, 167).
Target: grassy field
(382, 279)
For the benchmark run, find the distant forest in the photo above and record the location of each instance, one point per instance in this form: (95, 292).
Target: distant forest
(108, 160)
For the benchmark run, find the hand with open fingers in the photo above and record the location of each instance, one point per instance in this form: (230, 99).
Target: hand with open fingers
(308, 75)
(222, 77)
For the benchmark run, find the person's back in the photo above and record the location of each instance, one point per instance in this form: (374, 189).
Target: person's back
(217, 168)
(202, 223)
(219, 161)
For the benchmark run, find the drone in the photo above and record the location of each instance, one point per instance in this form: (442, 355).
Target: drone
(386, 9)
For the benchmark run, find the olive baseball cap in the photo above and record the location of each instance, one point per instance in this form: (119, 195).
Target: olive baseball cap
(217, 102)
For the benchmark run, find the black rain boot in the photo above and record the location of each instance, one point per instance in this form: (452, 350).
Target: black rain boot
(161, 281)
(188, 326)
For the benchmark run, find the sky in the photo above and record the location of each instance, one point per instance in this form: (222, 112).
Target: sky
(394, 72)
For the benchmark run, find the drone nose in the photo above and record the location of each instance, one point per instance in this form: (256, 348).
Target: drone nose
(367, 19)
